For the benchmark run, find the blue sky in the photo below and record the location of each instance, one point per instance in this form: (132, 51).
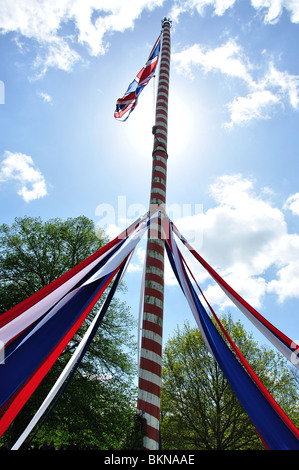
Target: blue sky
(233, 134)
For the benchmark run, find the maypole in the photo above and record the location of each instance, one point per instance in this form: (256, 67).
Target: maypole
(149, 384)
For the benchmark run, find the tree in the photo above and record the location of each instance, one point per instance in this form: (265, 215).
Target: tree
(97, 404)
(199, 409)
(33, 253)
(135, 434)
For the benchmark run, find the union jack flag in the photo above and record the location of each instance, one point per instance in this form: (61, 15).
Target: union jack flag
(126, 104)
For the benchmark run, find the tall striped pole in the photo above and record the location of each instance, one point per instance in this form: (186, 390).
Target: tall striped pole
(149, 384)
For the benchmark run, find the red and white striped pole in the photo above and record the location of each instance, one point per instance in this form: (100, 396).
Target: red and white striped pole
(149, 384)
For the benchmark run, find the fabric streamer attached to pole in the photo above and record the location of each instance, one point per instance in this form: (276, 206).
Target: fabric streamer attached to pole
(274, 427)
(23, 315)
(74, 362)
(37, 331)
(281, 342)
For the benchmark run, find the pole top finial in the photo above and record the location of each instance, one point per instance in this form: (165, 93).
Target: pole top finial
(166, 20)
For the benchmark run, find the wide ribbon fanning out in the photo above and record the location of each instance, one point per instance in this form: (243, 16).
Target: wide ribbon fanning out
(74, 362)
(17, 319)
(274, 427)
(285, 345)
(37, 331)
(126, 104)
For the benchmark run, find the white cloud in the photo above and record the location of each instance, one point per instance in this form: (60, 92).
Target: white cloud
(253, 290)
(271, 9)
(292, 204)
(274, 88)
(287, 85)
(112, 16)
(112, 231)
(45, 97)
(274, 9)
(252, 106)
(287, 284)
(93, 20)
(21, 168)
(181, 6)
(139, 260)
(229, 59)
(43, 20)
(56, 54)
(244, 237)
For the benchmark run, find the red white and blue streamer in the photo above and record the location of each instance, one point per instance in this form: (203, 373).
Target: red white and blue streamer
(71, 367)
(285, 345)
(37, 331)
(276, 430)
(44, 324)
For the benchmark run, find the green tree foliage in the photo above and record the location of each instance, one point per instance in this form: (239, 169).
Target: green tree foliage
(199, 409)
(97, 407)
(33, 253)
(136, 433)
